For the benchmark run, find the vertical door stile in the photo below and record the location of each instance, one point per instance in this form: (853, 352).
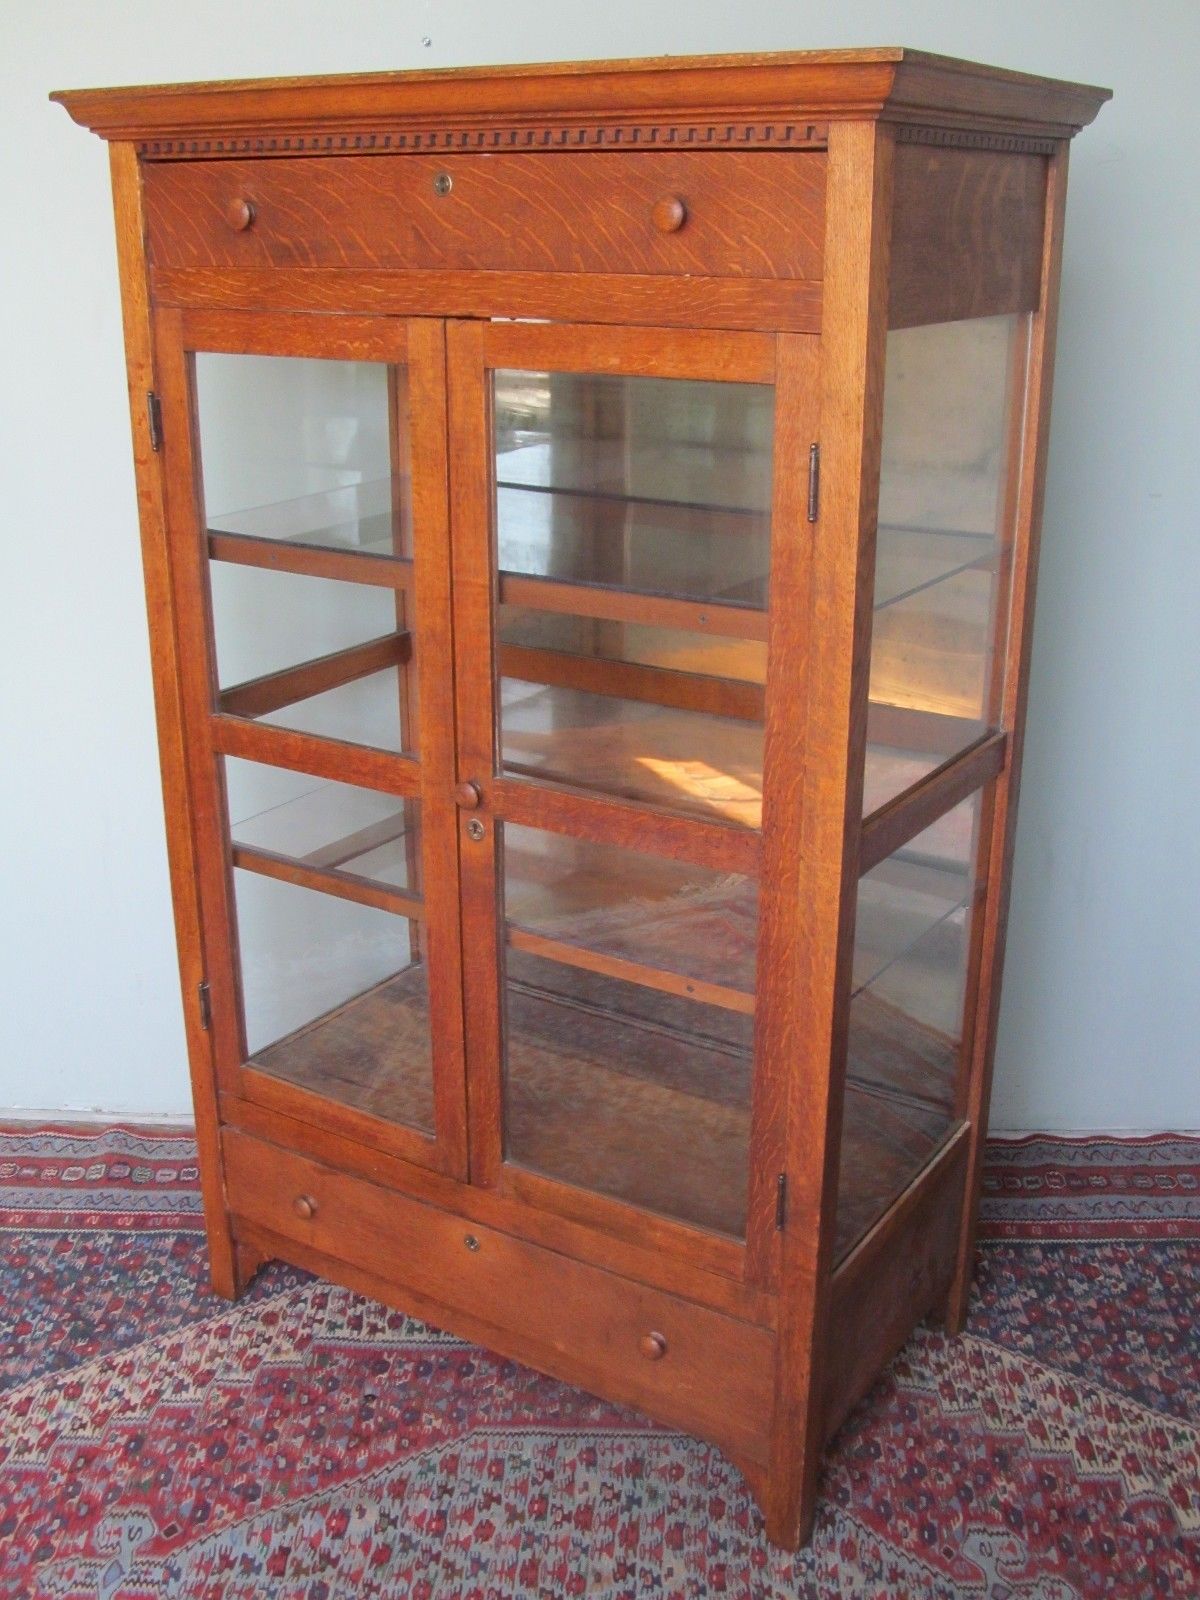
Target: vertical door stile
(427, 392)
(780, 1009)
(470, 468)
(185, 519)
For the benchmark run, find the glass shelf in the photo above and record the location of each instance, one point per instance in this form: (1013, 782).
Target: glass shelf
(357, 517)
(635, 750)
(327, 827)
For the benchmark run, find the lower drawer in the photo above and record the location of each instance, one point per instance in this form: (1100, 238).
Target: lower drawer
(683, 1363)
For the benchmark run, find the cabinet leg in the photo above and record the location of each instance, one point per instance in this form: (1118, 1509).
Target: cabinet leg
(789, 1518)
(233, 1268)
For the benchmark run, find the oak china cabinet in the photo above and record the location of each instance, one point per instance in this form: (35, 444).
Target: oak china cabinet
(589, 517)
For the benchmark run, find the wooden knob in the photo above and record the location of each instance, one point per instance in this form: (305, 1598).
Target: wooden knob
(653, 1346)
(239, 214)
(467, 796)
(305, 1206)
(669, 214)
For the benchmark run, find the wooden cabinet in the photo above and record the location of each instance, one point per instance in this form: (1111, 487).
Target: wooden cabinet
(589, 518)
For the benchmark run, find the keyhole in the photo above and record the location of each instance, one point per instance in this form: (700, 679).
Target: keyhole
(443, 183)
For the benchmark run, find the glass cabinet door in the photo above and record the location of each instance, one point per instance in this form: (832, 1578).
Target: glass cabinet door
(613, 735)
(326, 759)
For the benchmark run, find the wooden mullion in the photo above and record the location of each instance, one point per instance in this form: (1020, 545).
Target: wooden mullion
(318, 756)
(632, 680)
(345, 885)
(590, 960)
(629, 605)
(309, 560)
(604, 820)
(258, 696)
(910, 813)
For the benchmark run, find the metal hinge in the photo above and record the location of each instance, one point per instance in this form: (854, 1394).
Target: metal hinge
(781, 1200)
(154, 418)
(814, 481)
(204, 995)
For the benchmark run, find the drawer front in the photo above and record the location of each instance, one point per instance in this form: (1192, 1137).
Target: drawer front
(709, 1373)
(752, 214)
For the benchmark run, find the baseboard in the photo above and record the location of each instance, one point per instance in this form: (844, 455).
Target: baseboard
(59, 1116)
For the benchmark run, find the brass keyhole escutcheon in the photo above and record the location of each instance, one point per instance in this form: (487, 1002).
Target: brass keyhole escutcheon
(471, 1242)
(443, 183)
(475, 829)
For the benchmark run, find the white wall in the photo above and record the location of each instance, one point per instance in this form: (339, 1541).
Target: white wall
(1101, 1011)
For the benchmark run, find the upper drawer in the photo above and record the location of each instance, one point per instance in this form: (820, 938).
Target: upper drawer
(712, 213)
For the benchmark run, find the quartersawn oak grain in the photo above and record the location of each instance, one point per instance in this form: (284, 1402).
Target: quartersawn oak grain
(735, 219)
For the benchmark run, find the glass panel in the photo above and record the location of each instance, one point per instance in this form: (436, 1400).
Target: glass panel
(325, 826)
(911, 946)
(951, 413)
(335, 999)
(658, 485)
(686, 920)
(621, 1075)
(266, 622)
(309, 453)
(659, 489)
(299, 449)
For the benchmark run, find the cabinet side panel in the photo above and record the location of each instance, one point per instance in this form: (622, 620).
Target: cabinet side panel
(164, 654)
(1030, 497)
(966, 234)
(898, 1273)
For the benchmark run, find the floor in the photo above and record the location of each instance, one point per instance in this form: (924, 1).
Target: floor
(155, 1441)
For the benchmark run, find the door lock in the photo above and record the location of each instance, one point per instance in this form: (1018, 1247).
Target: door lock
(475, 829)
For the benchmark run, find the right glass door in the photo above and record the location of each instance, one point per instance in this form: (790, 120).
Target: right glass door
(613, 544)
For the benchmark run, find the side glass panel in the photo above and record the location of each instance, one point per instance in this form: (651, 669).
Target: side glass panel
(308, 513)
(911, 948)
(952, 402)
(328, 903)
(628, 1008)
(632, 522)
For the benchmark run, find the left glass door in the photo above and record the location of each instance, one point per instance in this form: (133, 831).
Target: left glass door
(307, 509)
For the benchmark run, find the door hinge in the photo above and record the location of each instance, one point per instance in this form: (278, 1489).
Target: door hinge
(814, 481)
(204, 995)
(154, 418)
(781, 1200)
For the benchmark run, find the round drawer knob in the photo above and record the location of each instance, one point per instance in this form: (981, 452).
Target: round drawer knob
(669, 214)
(653, 1346)
(305, 1206)
(467, 796)
(239, 214)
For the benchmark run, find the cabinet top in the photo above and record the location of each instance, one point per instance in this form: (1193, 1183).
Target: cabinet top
(777, 99)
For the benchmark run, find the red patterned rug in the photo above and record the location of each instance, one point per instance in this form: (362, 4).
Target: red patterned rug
(306, 1444)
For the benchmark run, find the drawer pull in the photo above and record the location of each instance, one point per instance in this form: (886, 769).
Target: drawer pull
(305, 1206)
(669, 214)
(653, 1346)
(239, 214)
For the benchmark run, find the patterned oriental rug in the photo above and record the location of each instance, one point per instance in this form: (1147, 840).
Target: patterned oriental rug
(307, 1444)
